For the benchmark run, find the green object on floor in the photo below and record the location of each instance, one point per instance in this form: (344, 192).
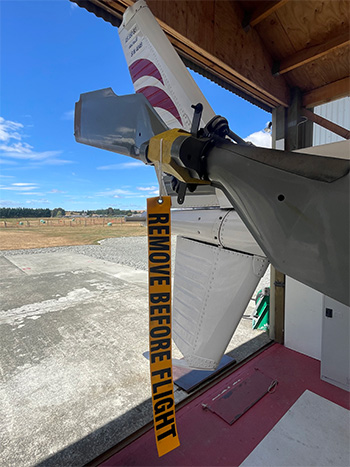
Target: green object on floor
(262, 310)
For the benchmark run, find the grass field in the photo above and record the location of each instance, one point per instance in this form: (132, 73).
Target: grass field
(63, 232)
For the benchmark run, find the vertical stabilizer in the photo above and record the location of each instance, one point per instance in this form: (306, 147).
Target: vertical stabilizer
(212, 289)
(157, 71)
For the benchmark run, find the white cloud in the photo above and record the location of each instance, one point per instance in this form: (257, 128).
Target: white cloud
(68, 115)
(7, 203)
(9, 130)
(122, 166)
(51, 161)
(37, 201)
(260, 138)
(116, 193)
(145, 195)
(13, 148)
(16, 149)
(31, 193)
(24, 151)
(22, 188)
(120, 193)
(19, 188)
(147, 188)
(54, 190)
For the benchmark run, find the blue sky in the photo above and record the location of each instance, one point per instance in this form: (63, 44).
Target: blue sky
(51, 52)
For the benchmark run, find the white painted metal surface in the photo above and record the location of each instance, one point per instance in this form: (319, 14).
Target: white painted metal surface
(215, 226)
(303, 318)
(304, 305)
(154, 64)
(314, 432)
(335, 353)
(297, 209)
(340, 150)
(158, 72)
(212, 288)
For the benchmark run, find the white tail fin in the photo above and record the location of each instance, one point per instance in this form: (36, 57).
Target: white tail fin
(212, 288)
(207, 306)
(157, 71)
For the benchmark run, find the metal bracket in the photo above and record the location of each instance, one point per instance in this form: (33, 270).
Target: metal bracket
(197, 116)
(170, 165)
(182, 187)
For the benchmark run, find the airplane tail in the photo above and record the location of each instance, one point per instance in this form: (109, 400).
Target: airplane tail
(212, 286)
(157, 71)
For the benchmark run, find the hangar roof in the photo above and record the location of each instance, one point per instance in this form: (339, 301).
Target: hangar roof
(258, 49)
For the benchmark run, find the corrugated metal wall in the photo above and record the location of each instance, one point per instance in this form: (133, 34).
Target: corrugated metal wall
(338, 112)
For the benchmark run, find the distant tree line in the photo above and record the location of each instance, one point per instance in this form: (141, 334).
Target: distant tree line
(24, 212)
(6, 213)
(111, 212)
(58, 212)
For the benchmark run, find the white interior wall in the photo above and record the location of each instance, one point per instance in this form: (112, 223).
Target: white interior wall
(303, 319)
(303, 305)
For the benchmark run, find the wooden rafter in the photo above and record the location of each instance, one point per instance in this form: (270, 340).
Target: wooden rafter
(266, 9)
(333, 127)
(235, 59)
(190, 50)
(115, 8)
(243, 61)
(329, 92)
(310, 54)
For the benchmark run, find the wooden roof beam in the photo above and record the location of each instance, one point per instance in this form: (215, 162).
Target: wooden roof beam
(331, 126)
(114, 8)
(266, 9)
(224, 50)
(327, 93)
(310, 54)
(239, 59)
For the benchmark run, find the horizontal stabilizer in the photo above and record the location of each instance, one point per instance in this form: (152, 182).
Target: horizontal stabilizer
(212, 288)
(219, 227)
(119, 124)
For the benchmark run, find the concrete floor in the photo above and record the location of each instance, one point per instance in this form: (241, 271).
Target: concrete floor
(73, 381)
(282, 428)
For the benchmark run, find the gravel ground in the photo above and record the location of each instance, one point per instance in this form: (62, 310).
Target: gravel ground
(130, 251)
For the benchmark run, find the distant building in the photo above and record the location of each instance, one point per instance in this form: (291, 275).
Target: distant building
(73, 214)
(141, 216)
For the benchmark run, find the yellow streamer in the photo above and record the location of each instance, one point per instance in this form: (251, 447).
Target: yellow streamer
(159, 274)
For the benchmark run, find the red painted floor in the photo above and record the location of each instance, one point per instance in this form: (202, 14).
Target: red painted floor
(207, 440)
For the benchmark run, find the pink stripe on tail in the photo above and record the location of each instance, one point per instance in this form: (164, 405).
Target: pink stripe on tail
(144, 67)
(158, 98)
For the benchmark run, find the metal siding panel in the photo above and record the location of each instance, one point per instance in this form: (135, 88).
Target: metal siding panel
(338, 112)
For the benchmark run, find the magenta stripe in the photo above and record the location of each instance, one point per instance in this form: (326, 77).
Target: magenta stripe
(144, 67)
(158, 98)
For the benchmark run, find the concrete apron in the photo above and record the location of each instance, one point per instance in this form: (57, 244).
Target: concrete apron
(73, 380)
